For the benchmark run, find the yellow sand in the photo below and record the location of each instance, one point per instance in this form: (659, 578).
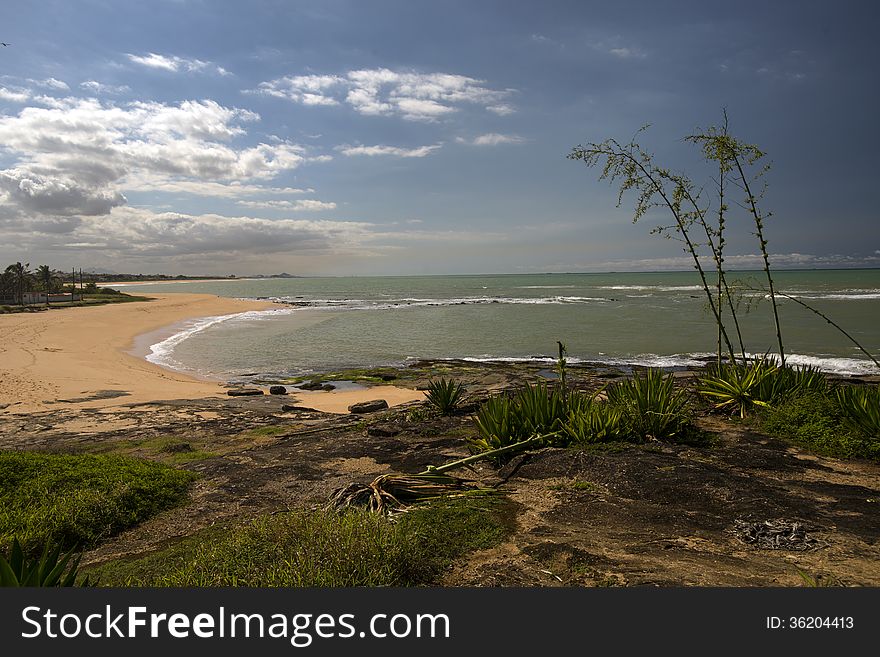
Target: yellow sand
(72, 353)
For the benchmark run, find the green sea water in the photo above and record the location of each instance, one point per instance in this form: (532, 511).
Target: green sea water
(659, 319)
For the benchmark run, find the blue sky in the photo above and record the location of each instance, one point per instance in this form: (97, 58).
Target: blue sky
(417, 137)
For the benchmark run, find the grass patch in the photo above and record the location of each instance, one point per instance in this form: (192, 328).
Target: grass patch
(579, 485)
(171, 450)
(816, 422)
(70, 500)
(448, 528)
(321, 548)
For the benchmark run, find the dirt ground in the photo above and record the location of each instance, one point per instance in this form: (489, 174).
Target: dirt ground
(654, 514)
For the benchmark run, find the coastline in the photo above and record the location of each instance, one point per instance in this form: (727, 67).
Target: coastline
(80, 357)
(95, 358)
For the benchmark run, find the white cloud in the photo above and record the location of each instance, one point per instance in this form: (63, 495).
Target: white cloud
(379, 149)
(492, 139)
(501, 110)
(15, 95)
(51, 83)
(76, 156)
(148, 182)
(305, 205)
(175, 64)
(137, 232)
(54, 195)
(383, 92)
(617, 47)
(627, 53)
(99, 88)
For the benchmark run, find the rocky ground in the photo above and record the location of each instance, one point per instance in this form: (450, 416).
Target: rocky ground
(744, 510)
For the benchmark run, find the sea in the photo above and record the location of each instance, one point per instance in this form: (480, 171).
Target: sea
(618, 319)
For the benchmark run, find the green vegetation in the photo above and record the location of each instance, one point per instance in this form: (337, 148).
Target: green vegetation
(534, 411)
(741, 388)
(578, 485)
(445, 395)
(646, 407)
(51, 568)
(653, 409)
(17, 282)
(817, 421)
(322, 548)
(860, 408)
(69, 500)
(595, 422)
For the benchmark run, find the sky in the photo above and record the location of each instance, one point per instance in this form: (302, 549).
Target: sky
(409, 137)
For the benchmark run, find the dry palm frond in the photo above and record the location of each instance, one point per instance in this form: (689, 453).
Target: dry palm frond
(392, 492)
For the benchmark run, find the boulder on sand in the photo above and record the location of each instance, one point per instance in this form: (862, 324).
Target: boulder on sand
(277, 390)
(244, 392)
(368, 406)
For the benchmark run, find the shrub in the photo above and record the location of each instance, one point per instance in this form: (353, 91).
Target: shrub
(860, 407)
(650, 405)
(817, 422)
(445, 395)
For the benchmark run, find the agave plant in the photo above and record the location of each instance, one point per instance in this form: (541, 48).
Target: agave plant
(784, 382)
(445, 395)
(595, 423)
(860, 407)
(541, 409)
(49, 569)
(738, 388)
(652, 407)
(500, 424)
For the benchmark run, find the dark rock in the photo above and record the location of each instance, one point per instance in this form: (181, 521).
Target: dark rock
(277, 390)
(328, 387)
(287, 408)
(311, 385)
(244, 392)
(388, 377)
(178, 448)
(382, 432)
(368, 406)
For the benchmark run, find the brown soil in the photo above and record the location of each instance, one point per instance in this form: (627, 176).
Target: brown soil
(653, 514)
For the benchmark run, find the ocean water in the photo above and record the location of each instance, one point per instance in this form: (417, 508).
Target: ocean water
(658, 319)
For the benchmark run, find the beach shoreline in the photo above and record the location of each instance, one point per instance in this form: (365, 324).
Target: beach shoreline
(93, 357)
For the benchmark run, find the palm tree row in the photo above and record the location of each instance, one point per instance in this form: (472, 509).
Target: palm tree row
(18, 279)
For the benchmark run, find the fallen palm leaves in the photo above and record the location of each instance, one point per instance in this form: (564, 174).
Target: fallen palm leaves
(390, 493)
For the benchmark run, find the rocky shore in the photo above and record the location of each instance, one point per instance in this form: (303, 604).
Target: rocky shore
(652, 514)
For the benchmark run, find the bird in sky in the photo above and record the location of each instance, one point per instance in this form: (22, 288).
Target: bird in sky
(3, 44)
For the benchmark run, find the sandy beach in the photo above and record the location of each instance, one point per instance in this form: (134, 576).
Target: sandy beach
(80, 357)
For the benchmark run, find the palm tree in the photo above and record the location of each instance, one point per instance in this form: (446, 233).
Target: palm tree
(44, 275)
(21, 277)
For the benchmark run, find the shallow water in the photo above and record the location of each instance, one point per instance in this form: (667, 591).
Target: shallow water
(657, 319)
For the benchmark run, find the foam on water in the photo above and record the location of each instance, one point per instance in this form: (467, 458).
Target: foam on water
(161, 352)
(417, 302)
(831, 365)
